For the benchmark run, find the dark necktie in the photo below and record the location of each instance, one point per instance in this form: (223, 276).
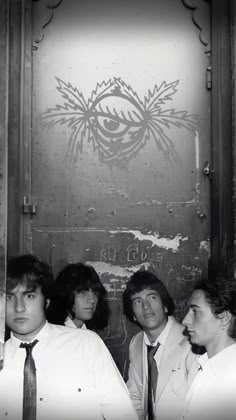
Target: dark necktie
(152, 378)
(29, 396)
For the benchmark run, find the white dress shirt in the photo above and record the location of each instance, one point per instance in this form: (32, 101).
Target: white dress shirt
(212, 395)
(161, 339)
(70, 323)
(158, 355)
(76, 378)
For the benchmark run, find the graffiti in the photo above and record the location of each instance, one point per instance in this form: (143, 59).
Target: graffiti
(117, 121)
(132, 254)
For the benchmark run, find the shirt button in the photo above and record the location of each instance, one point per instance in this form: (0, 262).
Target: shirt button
(41, 399)
(6, 414)
(79, 389)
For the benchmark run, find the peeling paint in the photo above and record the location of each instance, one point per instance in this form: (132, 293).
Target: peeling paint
(115, 270)
(167, 203)
(205, 246)
(197, 152)
(114, 277)
(160, 242)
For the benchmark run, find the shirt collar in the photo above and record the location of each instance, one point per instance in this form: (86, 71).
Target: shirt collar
(70, 323)
(218, 361)
(163, 336)
(41, 336)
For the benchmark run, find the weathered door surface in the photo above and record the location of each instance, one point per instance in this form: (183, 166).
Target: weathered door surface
(120, 137)
(4, 46)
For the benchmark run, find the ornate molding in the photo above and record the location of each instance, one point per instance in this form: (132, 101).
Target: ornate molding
(42, 16)
(200, 13)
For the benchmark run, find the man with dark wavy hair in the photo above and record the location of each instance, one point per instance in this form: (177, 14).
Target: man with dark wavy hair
(80, 298)
(148, 303)
(211, 322)
(52, 372)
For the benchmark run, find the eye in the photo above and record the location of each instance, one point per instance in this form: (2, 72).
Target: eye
(9, 297)
(111, 127)
(30, 295)
(81, 293)
(136, 301)
(194, 312)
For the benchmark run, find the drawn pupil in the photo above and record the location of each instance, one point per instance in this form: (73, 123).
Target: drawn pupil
(111, 125)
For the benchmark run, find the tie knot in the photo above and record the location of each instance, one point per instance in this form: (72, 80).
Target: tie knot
(28, 346)
(152, 350)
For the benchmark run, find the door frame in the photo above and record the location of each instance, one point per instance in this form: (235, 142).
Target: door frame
(4, 95)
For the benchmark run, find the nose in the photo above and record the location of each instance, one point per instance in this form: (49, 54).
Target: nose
(187, 319)
(91, 296)
(146, 304)
(19, 304)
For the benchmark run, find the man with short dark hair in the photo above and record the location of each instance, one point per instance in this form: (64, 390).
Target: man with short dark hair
(52, 372)
(173, 365)
(211, 322)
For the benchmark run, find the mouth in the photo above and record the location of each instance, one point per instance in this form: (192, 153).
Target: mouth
(20, 320)
(148, 315)
(190, 332)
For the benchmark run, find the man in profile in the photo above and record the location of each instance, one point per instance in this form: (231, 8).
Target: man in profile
(52, 372)
(211, 322)
(158, 383)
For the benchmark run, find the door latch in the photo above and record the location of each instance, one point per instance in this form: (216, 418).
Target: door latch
(207, 171)
(29, 205)
(208, 77)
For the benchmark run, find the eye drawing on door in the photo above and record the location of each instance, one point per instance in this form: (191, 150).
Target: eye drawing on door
(117, 121)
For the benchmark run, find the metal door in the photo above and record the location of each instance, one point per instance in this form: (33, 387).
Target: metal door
(117, 142)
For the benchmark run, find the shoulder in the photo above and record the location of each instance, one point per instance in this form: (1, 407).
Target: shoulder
(179, 340)
(74, 335)
(176, 331)
(136, 343)
(7, 345)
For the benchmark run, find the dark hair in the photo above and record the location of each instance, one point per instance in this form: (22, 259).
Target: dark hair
(31, 271)
(220, 293)
(73, 278)
(145, 280)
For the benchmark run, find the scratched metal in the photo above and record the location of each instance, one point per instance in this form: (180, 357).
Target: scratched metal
(120, 134)
(3, 164)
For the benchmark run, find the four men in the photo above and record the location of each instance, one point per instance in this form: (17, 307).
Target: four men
(54, 372)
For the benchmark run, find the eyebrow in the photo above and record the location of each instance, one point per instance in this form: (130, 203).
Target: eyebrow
(24, 293)
(148, 294)
(194, 306)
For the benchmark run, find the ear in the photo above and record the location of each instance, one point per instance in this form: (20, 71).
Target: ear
(165, 309)
(134, 318)
(47, 303)
(225, 317)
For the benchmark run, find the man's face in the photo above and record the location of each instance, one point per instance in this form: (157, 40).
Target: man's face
(85, 304)
(202, 325)
(149, 311)
(25, 312)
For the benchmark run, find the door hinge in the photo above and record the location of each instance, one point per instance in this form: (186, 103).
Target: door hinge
(30, 205)
(209, 77)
